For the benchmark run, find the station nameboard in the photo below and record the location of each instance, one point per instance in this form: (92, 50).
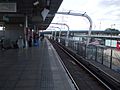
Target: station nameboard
(7, 7)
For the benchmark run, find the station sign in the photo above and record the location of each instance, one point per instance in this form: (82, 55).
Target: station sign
(8, 7)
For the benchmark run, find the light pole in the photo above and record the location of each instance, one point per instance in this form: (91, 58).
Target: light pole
(83, 15)
(51, 32)
(67, 36)
(55, 31)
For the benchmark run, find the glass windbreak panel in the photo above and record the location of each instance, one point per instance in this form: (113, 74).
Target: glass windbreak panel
(73, 45)
(106, 57)
(99, 54)
(88, 52)
(76, 45)
(69, 44)
(62, 41)
(82, 50)
(116, 60)
(91, 52)
(94, 52)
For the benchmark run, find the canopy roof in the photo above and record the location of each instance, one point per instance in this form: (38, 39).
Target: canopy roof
(15, 11)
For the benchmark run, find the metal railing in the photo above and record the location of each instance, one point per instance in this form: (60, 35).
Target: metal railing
(98, 53)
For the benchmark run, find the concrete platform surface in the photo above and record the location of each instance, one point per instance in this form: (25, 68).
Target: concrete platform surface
(36, 68)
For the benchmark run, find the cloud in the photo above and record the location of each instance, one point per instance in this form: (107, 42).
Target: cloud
(110, 9)
(106, 3)
(115, 13)
(105, 11)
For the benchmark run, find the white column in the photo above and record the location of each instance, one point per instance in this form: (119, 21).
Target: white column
(26, 26)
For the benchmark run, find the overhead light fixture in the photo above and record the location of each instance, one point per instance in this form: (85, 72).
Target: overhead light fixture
(36, 3)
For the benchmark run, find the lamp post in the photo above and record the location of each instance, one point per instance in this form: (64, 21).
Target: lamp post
(83, 15)
(67, 36)
(51, 33)
(55, 31)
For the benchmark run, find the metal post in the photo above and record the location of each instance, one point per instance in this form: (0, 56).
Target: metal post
(59, 36)
(52, 33)
(102, 54)
(34, 35)
(111, 59)
(26, 21)
(55, 35)
(96, 54)
(67, 37)
(111, 53)
(85, 52)
(26, 26)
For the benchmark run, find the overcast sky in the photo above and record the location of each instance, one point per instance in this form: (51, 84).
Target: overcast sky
(104, 13)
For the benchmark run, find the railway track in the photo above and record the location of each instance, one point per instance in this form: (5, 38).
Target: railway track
(83, 78)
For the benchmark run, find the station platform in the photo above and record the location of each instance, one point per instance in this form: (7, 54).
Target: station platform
(35, 68)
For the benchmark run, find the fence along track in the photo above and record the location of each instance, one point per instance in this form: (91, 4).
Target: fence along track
(95, 76)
